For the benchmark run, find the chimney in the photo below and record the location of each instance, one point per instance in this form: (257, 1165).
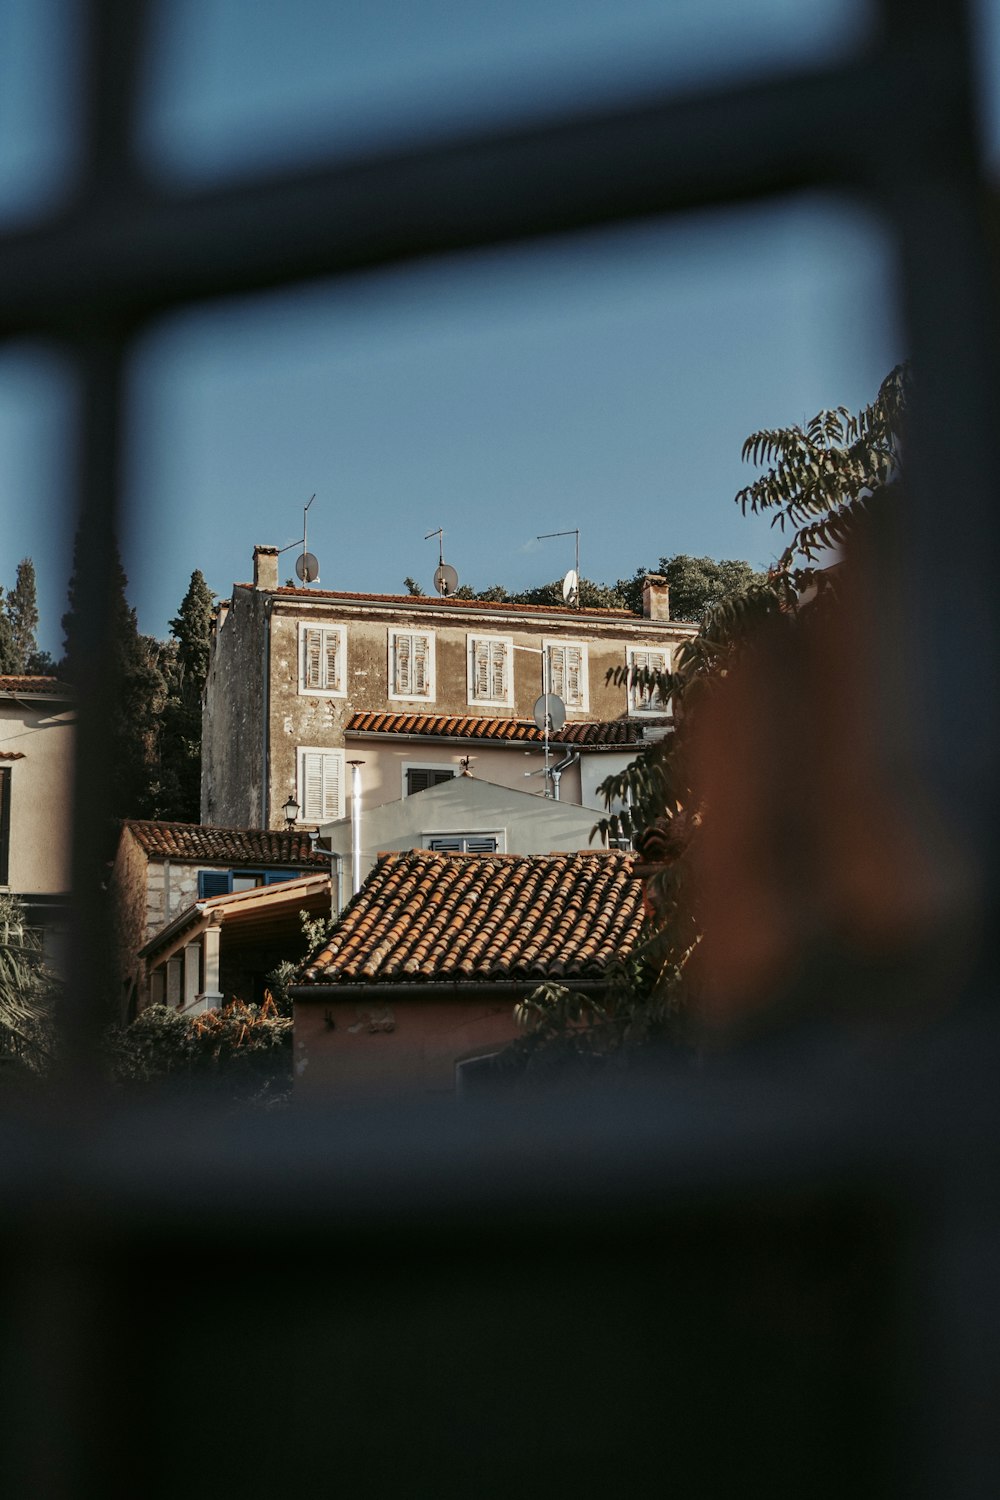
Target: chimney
(655, 597)
(265, 567)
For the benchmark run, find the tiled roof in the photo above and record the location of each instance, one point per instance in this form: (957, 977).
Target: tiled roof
(11, 754)
(224, 846)
(425, 917)
(464, 727)
(419, 601)
(30, 687)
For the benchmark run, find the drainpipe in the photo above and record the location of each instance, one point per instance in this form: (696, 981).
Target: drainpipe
(355, 766)
(557, 770)
(266, 710)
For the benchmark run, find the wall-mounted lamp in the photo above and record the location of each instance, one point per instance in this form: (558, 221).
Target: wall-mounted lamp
(291, 811)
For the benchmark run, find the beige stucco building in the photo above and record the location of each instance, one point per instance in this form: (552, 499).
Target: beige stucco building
(302, 681)
(36, 783)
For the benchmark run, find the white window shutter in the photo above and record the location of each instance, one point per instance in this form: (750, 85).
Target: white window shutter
(573, 676)
(649, 661)
(313, 651)
(332, 661)
(481, 669)
(421, 675)
(321, 783)
(498, 685)
(557, 671)
(403, 663)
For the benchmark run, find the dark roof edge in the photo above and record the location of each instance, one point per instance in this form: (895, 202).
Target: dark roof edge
(455, 989)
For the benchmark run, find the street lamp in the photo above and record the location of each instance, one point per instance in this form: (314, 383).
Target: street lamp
(291, 811)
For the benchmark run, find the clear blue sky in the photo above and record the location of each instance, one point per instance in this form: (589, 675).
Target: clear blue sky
(606, 382)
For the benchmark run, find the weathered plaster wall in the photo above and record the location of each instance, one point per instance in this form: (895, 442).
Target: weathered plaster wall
(382, 775)
(529, 824)
(41, 786)
(233, 717)
(375, 1051)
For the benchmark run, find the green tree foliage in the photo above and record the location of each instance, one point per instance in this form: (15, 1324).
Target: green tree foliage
(819, 482)
(135, 666)
(697, 584)
(183, 664)
(22, 612)
(241, 1053)
(19, 651)
(28, 992)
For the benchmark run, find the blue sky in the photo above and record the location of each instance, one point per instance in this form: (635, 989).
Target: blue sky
(605, 382)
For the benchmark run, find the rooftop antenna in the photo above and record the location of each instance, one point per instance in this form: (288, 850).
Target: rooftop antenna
(571, 582)
(445, 577)
(307, 565)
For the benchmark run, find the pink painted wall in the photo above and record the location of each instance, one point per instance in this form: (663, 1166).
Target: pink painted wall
(378, 1052)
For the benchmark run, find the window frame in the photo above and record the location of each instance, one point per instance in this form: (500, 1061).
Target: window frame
(472, 640)
(425, 765)
(338, 753)
(304, 626)
(551, 643)
(650, 709)
(264, 877)
(395, 632)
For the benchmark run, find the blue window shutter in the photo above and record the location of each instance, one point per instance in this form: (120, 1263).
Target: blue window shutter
(274, 877)
(214, 882)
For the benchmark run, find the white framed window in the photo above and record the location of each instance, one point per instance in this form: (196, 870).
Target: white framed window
(465, 843)
(491, 670)
(320, 784)
(568, 673)
(411, 665)
(418, 775)
(646, 700)
(322, 660)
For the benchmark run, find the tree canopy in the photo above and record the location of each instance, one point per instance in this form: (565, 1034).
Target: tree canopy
(819, 482)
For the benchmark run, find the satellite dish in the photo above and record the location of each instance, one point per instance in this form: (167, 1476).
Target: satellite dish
(571, 587)
(551, 708)
(307, 567)
(445, 579)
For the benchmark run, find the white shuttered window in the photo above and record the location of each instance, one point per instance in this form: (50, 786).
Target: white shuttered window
(646, 699)
(491, 669)
(321, 785)
(568, 673)
(322, 659)
(411, 664)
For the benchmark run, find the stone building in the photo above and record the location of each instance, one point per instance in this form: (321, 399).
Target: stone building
(302, 681)
(37, 715)
(166, 875)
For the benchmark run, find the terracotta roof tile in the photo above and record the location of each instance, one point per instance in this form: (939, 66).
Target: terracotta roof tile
(224, 846)
(48, 687)
(11, 754)
(426, 917)
(611, 733)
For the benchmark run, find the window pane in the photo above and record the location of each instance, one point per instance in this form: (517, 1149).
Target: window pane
(39, 89)
(236, 87)
(35, 457)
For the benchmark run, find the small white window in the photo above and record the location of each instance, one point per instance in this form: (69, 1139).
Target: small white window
(322, 654)
(411, 665)
(646, 700)
(567, 663)
(490, 670)
(321, 785)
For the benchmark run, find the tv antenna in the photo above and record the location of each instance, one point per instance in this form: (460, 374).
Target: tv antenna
(445, 577)
(306, 565)
(571, 582)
